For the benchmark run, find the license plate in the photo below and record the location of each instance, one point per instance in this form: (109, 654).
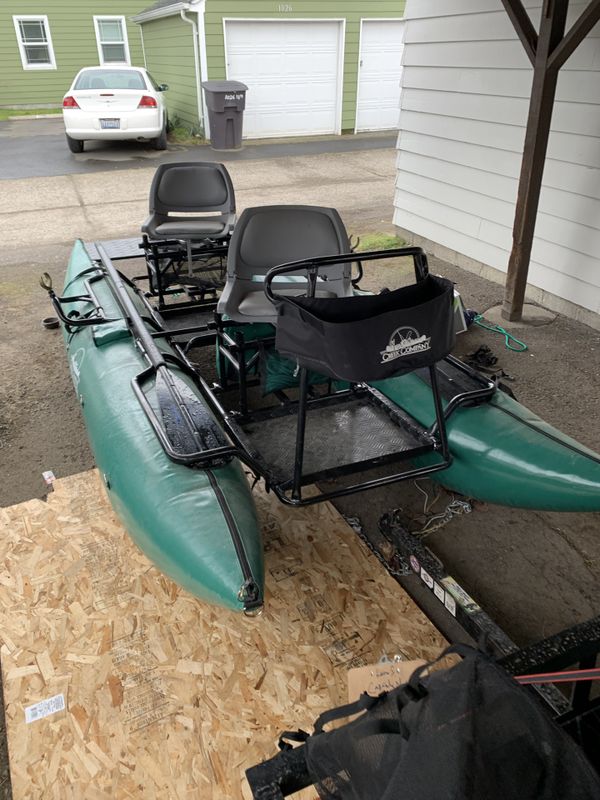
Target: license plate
(110, 123)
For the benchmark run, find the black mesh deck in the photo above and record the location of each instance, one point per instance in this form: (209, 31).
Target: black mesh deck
(336, 435)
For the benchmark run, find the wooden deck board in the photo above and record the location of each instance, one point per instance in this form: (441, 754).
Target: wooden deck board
(166, 696)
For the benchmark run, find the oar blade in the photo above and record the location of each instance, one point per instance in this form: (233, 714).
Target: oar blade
(188, 424)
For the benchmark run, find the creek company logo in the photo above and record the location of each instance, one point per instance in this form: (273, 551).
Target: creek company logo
(405, 342)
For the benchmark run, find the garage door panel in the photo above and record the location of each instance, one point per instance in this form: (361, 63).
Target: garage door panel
(380, 75)
(292, 73)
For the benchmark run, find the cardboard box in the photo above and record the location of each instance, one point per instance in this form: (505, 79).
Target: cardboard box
(374, 679)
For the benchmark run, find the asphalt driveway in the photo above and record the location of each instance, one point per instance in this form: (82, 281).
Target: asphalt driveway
(36, 148)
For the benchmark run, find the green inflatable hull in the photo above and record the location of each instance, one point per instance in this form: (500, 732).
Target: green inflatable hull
(180, 517)
(503, 453)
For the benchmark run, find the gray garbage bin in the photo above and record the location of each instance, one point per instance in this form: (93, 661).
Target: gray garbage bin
(226, 101)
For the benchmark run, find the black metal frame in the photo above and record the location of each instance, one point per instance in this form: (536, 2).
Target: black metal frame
(288, 489)
(233, 351)
(167, 255)
(438, 436)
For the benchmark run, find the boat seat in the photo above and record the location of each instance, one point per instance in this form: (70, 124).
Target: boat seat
(258, 306)
(203, 191)
(192, 202)
(267, 236)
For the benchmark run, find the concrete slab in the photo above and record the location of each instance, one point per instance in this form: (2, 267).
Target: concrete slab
(43, 193)
(533, 316)
(41, 211)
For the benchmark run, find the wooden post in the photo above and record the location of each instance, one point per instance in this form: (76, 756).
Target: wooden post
(552, 28)
(548, 51)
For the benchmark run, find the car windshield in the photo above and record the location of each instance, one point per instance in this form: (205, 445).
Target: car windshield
(110, 79)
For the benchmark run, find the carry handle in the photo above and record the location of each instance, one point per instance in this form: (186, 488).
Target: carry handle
(309, 265)
(364, 703)
(454, 649)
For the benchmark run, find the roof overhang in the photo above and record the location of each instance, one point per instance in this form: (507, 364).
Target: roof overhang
(167, 11)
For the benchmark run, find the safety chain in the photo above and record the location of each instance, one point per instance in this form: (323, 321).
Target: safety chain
(402, 570)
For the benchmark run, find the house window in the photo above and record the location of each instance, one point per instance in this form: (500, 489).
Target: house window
(35, 42)
(111, 35)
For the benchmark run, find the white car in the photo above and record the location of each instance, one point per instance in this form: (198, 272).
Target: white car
(115, 103)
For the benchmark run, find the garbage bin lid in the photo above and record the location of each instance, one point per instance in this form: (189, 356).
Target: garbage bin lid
(224, 86)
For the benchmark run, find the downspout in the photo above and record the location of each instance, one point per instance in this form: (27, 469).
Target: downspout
(200, 107)
(203, 62)
(143, 48)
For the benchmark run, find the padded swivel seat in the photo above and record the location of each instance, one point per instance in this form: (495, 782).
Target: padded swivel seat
(267, 236)
(198, 190)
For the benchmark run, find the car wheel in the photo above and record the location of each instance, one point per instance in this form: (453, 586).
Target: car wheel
(75, 145)
(160, 143)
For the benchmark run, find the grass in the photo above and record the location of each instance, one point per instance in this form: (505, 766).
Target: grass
(379, 241)
(182, 135)
(7, 113)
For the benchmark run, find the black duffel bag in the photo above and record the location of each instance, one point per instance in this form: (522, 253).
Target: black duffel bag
(470, 732)
(368, 337)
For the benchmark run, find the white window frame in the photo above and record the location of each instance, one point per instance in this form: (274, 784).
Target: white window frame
(99, 43)
(35, 18)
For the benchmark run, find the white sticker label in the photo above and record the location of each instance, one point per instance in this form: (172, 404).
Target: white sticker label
(415, 564)
(450, 604)
(458, 593)
(45, 708)
(49, 477)
(439, 592)
(426, 578)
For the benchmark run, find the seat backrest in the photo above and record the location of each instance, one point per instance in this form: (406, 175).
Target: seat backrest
(97, 83)
(193, 186)
(267, 236)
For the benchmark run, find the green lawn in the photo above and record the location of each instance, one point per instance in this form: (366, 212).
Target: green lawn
(6, 113)
(379, 241)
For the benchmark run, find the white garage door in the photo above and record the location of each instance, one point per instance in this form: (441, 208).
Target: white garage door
(380, 72)
(292, 70)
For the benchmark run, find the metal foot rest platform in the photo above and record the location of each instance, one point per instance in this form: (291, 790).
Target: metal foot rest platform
(346, 433)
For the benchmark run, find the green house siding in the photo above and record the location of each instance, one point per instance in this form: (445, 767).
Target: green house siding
(350, 10)
(169, 47)
(74, 40)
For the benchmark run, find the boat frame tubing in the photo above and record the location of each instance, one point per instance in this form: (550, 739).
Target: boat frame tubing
(95, 317)
(240, 447)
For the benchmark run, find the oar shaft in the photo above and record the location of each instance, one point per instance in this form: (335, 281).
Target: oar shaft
(153, 354)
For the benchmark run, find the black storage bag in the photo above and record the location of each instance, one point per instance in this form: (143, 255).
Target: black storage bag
(469, 732)
(368, 337)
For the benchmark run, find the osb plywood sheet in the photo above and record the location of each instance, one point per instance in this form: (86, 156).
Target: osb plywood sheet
(166, 697)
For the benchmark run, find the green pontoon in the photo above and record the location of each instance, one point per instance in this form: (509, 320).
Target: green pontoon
(351, 383)
(199, 526)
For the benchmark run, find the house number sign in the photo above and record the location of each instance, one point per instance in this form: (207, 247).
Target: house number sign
(284, 7)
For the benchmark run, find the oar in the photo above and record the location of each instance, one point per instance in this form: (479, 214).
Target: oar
(188, 424)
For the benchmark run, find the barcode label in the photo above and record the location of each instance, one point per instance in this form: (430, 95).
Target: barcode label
(44, 708)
